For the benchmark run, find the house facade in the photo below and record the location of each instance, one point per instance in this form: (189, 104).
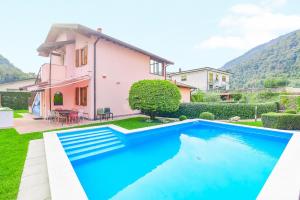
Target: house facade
(205, 79)
(89, 70)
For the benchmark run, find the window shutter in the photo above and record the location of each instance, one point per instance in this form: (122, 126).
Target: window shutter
(83, 96)
(85, 55)
(77, 96)
(77, 57)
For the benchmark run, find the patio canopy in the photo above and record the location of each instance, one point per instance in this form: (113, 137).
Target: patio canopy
(46, 85)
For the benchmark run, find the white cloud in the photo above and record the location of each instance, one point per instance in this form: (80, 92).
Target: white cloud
(248, 25)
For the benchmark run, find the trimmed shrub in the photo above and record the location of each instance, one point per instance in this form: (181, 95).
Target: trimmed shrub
(222, 110)
(182, 117)
(154, 96)
(207, 115)
(237, 96)
(291, 111)
(281, 121)
(15, 100)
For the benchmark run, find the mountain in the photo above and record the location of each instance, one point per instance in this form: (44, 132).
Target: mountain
(279, 58)
(8, 72)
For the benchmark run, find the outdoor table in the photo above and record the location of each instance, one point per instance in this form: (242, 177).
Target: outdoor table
(65, 113)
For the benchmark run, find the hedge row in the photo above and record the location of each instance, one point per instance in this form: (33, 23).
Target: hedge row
(15, 100)
(223, 110)
(284, 121)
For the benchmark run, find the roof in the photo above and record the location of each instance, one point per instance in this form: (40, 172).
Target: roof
(57, 28)
(179, 84)
(45, 48)
(199, 69)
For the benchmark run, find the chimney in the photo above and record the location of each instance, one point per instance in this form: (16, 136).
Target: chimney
(179, 69)
(99, 30)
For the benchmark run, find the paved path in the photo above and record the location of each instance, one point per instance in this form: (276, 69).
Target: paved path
(34, 182)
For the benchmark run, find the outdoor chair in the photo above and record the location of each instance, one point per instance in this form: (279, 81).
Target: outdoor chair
(101, 114)
(73, 117)
(108, 113)
(51, 116)
(61, 118)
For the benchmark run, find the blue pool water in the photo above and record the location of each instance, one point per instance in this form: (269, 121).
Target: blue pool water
(199, 160)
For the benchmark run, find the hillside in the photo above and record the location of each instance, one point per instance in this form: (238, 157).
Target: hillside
(8, 72)
(277, 58)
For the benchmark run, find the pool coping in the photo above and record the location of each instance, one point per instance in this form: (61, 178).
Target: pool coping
(64, 184)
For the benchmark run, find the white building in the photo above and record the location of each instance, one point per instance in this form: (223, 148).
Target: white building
(205, 78)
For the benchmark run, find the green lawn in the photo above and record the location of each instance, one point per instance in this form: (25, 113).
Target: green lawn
(257, 123)
(17, 113)
(13, 148)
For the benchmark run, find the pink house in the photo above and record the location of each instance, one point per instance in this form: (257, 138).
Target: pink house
(89, 70)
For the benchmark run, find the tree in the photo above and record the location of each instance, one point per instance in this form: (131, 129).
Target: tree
(154, 96)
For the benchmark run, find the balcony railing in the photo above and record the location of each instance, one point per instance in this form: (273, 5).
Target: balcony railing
(58, 72)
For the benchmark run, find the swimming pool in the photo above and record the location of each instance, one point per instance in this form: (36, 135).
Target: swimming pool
(193, 160)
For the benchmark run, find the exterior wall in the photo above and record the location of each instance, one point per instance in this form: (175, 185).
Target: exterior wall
(68, 98)
(195, 79)
(117, 69)
(199, 79)
(185, 94)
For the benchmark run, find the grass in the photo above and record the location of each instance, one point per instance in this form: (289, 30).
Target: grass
(13, 148)
(17, 113)
(257, 123)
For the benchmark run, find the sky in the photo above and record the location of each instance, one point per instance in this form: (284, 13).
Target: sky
(192, 33)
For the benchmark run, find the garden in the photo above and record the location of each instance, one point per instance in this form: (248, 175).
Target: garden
(266, 108)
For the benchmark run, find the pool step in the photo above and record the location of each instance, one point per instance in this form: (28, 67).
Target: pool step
(84, 145)
(80, 134)
(95, 153)
(79, 141)
(84, 136)
(92, 148)
(90, 143)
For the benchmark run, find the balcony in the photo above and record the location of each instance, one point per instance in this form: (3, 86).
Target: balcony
(58, 73)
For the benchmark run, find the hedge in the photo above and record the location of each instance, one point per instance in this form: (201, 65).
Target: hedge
(284, 121)
(222, 110)
(15, 100)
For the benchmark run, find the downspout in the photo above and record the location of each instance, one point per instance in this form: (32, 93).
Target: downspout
(95, 66)
(50, 69)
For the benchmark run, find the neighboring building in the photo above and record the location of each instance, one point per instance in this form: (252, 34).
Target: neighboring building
(205, 79)
(185, 91)
(91, 70)
(15, 86)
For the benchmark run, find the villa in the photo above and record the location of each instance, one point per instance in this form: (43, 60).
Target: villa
(89, 70)
(205, 79)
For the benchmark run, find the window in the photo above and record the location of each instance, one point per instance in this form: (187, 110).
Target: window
(58, 99)
(156, 68)
(81, 57)
(224, 78)
(183, 77)
(81, 96)
(210, 77)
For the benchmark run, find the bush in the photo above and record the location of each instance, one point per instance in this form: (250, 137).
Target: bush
(182, 117)
(207, 115)
(153, 96)
(290, 102)
(281, 121)
(198, 96)
(15, 100)
(222, 110)
(291, 111)
(237, 96)
(211, 97)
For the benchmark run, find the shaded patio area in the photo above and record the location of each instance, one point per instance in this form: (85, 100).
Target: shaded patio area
(27, 124)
